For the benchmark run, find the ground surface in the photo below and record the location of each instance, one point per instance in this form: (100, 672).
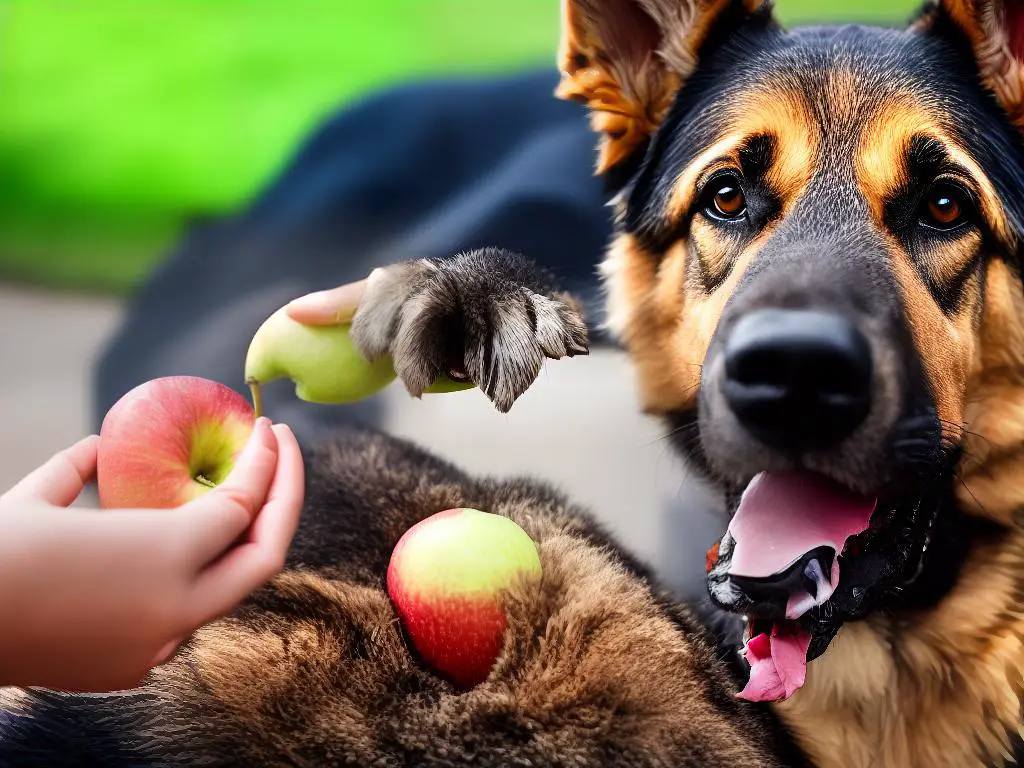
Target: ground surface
(48, 343)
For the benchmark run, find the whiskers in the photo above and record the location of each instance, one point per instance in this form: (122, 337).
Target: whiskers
(967, 461)
(686, 431)
(963, 484)
(918, 446)
(927, 448)
(959, 432)
(685, 435)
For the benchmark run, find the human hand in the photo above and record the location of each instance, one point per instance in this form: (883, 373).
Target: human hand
(331, 307)
(91, 600)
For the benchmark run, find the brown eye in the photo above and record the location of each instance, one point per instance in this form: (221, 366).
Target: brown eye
(727, 200)
(945, 207)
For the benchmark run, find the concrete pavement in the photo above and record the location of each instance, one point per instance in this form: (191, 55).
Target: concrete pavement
(48, 342)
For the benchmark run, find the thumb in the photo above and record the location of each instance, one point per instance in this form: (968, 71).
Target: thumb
(333, 307)
(63, 478)
(215, 520)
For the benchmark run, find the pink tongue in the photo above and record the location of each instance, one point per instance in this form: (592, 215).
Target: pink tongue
(784, 515)
(778, 663)
(781, 517)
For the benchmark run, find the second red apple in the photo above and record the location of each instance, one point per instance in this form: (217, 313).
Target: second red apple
(446, 578)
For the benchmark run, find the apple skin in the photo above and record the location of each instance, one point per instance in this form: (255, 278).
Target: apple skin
(161, 440)
(446, 577)
(322, 362)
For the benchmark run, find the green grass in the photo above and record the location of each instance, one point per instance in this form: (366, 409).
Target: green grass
(120, 119)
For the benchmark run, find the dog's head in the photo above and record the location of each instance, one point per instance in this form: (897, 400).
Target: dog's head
(816, 276)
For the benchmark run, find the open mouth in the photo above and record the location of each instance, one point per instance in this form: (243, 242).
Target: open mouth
(780, 563)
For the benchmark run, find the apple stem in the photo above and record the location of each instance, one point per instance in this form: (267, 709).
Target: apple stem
(202, 480)
(257, 397)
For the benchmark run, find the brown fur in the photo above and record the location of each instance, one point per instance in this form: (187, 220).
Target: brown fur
(315, 670)
(1000, 65)
(598, 666)
(768, 111)
(628, 85)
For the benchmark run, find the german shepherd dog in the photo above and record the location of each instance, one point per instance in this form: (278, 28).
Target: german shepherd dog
(815, 275)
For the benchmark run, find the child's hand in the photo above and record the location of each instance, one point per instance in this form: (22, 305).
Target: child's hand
(330, 307)
(91, 600)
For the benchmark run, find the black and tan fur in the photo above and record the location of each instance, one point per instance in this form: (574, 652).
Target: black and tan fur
(847, 145)
(838, 138)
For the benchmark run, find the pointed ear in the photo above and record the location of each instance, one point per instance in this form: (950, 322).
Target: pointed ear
(626, 60)
(994, 30)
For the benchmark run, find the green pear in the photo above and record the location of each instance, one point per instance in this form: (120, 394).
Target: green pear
(322, 362)
(446, 384)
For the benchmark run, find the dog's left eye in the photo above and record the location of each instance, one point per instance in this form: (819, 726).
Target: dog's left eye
(945, 207)
(724, 198)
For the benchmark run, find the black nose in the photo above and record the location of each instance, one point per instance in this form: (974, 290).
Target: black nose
(797, 380)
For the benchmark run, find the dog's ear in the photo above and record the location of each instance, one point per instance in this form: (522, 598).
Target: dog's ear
(994, 31)
(626, 59)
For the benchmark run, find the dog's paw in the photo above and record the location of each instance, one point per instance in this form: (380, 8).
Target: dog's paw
(489, 317)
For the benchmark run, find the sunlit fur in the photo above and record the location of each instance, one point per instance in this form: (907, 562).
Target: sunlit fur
(847, 112)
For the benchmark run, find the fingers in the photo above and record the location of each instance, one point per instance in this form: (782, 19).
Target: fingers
(166, 653)
(332, 307)
(284, 505)
(63, 478)
(217, 518)
(246, 568)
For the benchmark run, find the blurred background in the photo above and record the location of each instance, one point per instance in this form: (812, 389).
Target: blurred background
(121, 122)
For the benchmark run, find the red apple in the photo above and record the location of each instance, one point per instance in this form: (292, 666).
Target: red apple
(446, 578)
(169, 440)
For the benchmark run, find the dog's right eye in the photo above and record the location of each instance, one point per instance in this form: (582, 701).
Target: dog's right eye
(724, 199)
(946, 206)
